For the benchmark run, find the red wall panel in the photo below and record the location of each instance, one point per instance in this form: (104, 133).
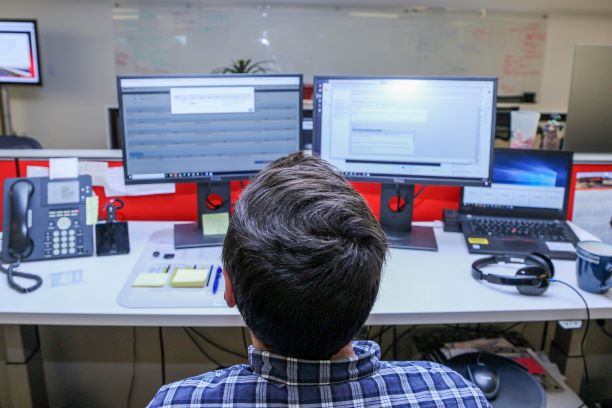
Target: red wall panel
(7, 170)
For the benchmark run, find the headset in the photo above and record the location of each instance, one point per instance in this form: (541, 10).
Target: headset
(532, 279)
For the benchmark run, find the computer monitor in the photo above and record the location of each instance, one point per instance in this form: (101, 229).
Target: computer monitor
(209, 129)
(19, 59)
(405, 130)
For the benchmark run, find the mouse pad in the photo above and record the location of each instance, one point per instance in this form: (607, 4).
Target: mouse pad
(517, 388)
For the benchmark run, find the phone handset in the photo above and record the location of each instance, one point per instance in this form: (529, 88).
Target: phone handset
(20, 244)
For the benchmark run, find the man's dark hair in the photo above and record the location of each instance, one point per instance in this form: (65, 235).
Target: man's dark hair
(305, 255)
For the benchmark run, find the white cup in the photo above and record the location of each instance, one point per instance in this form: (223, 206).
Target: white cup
(523, 128)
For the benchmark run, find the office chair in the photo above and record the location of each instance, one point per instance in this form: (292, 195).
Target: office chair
(18, 142)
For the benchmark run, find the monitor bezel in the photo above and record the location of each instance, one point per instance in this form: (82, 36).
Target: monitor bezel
(404, 179)
(38, 60)
(199, 179)
(527, 212)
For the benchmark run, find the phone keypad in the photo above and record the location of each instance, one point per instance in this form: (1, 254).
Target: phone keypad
(64, 235)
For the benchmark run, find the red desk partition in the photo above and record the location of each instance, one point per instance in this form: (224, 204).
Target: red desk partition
(581, 168)
(7, 170)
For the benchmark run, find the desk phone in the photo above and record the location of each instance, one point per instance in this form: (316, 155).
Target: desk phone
(46, 219)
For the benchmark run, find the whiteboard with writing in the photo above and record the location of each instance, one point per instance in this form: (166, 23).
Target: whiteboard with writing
(192, 38)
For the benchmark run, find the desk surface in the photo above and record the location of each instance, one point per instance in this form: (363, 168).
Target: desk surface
(418, 287)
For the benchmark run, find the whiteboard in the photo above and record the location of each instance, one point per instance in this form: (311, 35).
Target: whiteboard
(192, 38)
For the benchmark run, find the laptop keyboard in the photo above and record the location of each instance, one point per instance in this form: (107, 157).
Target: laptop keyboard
(543, 229)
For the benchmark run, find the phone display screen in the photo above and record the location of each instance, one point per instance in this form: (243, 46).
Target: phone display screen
(63, 192)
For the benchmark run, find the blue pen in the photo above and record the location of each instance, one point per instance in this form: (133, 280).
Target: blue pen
(216, 281)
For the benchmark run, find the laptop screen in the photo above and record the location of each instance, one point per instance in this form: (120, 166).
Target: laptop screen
(530, 183)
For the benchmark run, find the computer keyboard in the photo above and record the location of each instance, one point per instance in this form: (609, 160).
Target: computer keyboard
(549, 230)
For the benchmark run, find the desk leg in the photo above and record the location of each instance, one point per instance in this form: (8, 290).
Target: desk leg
(24, 367)
(565, 352)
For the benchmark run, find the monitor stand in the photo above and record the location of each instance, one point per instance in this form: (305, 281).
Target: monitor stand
(396, 204)
(213, 198)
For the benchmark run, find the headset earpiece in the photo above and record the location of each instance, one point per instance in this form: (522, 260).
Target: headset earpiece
(537, 272)
(538, 259)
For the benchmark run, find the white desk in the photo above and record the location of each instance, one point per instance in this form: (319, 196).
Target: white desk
(418, 287)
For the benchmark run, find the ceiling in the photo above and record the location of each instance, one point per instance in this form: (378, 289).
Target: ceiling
(539, 6)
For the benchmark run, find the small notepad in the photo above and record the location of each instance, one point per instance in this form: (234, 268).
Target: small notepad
(189, 278)
(150, 280)
(215, 224)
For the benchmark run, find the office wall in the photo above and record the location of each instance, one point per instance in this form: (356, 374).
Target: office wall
(78, 73)
(78, 68)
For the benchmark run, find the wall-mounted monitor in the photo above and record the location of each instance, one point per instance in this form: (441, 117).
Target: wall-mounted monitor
(19, 52)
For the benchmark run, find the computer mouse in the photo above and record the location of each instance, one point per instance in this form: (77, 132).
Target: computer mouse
(486, 378)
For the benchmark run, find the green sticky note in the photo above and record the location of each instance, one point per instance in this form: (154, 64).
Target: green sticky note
(215, 224)
(150, 280)
(91, 210)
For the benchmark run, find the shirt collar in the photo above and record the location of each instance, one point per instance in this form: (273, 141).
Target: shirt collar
(294, 371)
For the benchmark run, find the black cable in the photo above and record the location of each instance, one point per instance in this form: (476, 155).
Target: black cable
(210, 203)
(586, 329)
(414, 197)
(394, 342)
(162, 356)
(544, 336)
(601, 324)
(195, 343)
(131, 388)
(478, 330)
(206, 339)
(244, 340)
(389, 348)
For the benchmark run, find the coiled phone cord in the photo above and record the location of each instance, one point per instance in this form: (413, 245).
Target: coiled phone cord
(11, 273)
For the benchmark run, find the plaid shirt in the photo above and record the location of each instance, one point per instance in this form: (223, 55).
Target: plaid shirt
(362, 381)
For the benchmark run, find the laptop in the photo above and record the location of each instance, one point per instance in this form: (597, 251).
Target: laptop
(525, 209)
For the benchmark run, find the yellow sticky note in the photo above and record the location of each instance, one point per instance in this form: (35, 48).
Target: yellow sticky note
(150, 280)
(189, 278)
(215, 224)
(92, 204)
(479, 241)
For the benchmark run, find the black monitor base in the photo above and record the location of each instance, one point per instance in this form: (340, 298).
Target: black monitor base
(418, 238)
(213, 198)
(396, 204)
(190, 236)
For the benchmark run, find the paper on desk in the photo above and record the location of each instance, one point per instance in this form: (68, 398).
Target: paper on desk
(97, 171)
(37, 171)
(67, 167)
(115, 185)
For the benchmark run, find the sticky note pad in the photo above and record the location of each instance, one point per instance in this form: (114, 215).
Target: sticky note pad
(150, 280)
(92, 204)
(480, 241)
(189, 278)
(215, 224)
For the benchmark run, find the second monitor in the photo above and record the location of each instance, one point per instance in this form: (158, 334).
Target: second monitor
(405, 130)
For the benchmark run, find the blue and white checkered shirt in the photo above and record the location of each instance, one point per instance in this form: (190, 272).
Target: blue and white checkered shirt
(271, 380)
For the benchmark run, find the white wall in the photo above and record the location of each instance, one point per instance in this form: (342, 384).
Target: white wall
(78, 67)
(78, 73)
(564, 31)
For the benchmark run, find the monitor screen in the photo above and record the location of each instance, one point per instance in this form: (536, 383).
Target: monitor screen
(403, 130)
(210, 127)
(19, 62)
(532, 181)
